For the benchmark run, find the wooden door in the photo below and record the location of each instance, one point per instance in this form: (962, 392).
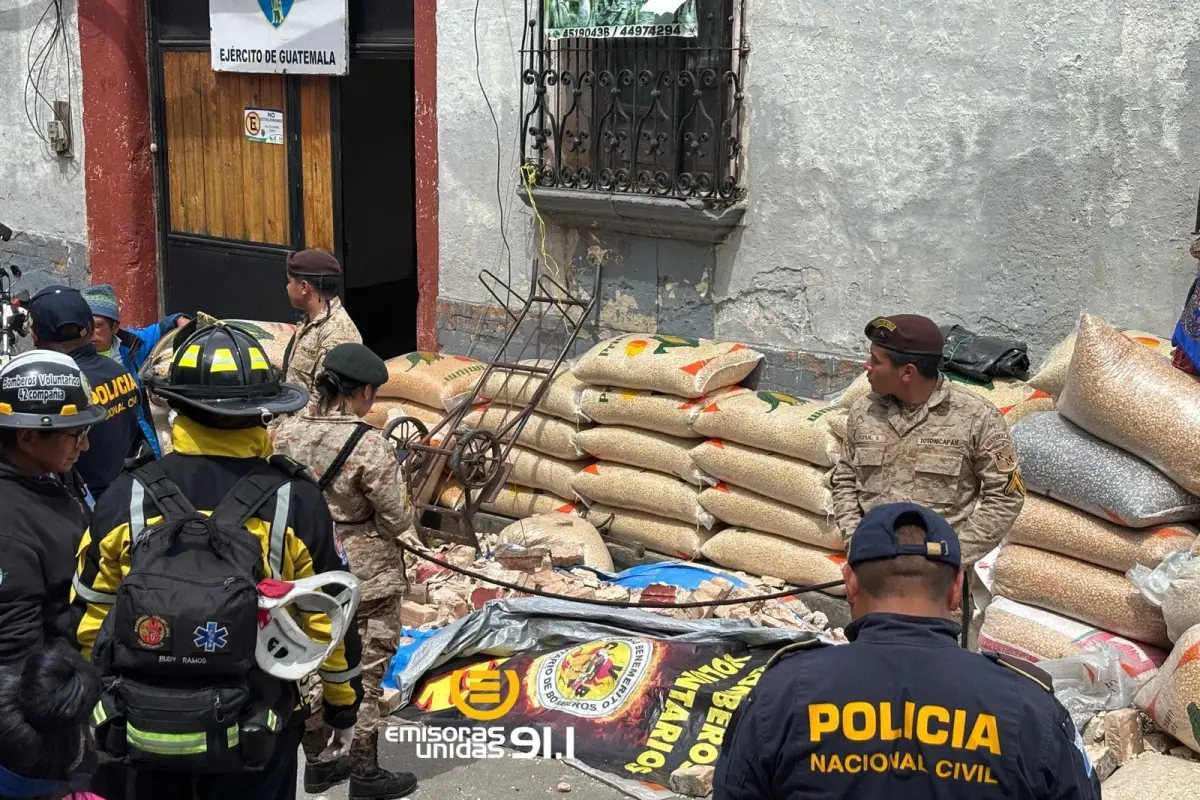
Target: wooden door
(235, 201)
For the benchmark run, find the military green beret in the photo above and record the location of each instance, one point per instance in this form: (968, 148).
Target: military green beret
(356, 362)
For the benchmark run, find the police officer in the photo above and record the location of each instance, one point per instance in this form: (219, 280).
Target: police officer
(226, 393)
(368, 497)
(920, 437)
(46, 412)
(900, 712)
(62, 321)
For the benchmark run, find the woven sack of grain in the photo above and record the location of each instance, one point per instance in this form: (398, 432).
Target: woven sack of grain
(666, 536)
(1052, 375)
(669, 364)
(1076, 589)
(1154, 777)
(641, 490)
(743, 508)
(1053, 526)
(787, 480)
(1132, 398)
(1036, 635)
(669, 455)
(561, 398)
(384, 411)
(1014, 398)
(1061, 460)
(437, 380)
(1181, 602)
(520, 502)
(548, 435)
(1172, 697)
(774, 422)
(759, 553)
(538, 471)
(652, 411)
(547, 530)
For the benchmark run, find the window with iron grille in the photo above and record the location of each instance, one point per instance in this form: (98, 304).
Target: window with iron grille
(651, 116)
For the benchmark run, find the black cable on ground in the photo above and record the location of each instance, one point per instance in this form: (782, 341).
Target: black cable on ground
(617, 603)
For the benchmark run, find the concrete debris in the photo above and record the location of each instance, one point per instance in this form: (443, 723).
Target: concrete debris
(566, 554)
(414, 615)
(694, 781)
(1104, 761)
(438, 596)
(613, 594)
(1183, 752)
(460, 556)
(563, 787)
(1094, 732)
(1159, 743)
(1123, 734)
(521, 559)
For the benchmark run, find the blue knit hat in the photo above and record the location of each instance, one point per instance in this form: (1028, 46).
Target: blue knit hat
(102, 300)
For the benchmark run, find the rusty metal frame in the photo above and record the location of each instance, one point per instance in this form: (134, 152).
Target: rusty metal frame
(424, 461)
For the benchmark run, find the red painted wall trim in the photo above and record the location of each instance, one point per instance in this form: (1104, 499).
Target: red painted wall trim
(426, 146)
(118, 166)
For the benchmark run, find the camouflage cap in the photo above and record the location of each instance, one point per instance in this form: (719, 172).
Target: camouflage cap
(909, 334)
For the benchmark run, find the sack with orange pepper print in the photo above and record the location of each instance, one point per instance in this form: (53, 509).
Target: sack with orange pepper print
(671, 364)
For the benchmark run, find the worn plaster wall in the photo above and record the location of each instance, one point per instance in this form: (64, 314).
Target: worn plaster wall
(476, 216)
(41, 195)
(1003, 165)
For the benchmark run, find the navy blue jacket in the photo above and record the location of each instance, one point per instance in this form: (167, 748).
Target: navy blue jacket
(115, 439)
(902, 713)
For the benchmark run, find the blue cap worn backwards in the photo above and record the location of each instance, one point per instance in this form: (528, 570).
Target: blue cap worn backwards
(875, 537)
(59, 314)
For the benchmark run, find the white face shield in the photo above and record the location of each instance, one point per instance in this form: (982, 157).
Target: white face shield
(284, 649)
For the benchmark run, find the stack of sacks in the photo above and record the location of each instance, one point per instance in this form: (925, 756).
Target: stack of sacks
(427, 385)
(1014, 398)
(1096, 508)
(645, 488)
(1052, 375)
(769, 457)
(545, 456)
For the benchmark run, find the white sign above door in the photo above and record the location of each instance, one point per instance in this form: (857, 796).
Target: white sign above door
(309, 37)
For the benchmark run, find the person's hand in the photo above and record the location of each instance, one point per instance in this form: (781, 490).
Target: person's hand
(181, 320)
(339, 742)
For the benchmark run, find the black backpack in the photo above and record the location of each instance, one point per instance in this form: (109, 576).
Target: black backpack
(178, 647)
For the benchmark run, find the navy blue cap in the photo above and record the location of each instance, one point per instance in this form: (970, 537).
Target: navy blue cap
(56, 307)
(875, 537)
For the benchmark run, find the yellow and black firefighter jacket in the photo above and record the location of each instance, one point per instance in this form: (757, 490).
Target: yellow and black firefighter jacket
(295, 530)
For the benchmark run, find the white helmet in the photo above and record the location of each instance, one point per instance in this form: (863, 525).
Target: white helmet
(283, 649)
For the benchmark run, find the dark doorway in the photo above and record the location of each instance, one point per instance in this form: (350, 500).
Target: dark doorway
(378, 192)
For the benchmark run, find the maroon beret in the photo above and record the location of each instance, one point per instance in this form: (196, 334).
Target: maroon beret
(313, 264)
(908, 334)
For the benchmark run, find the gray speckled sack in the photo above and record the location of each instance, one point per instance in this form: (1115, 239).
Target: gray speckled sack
(1062, 461)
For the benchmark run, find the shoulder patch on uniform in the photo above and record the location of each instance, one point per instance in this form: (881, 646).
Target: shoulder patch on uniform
(1022, 667)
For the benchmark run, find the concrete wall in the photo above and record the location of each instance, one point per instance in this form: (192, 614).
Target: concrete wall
(41, 195)
(1001, 165)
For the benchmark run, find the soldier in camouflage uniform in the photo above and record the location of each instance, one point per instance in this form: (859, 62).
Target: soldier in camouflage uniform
(369, 502)
(312, 288)
(920, 438)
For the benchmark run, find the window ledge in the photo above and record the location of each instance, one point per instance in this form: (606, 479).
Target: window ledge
(662, 217)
